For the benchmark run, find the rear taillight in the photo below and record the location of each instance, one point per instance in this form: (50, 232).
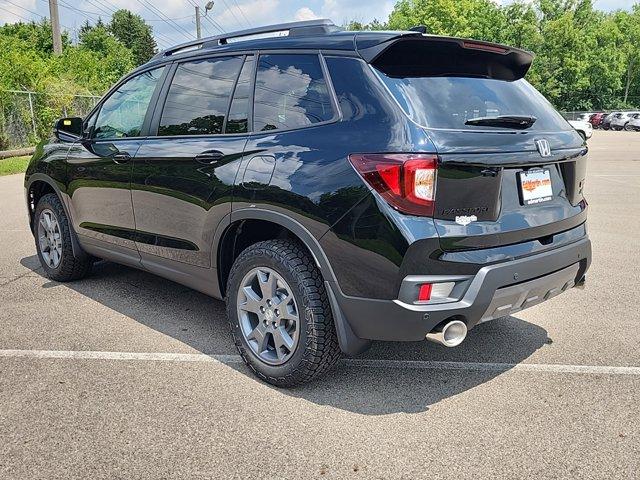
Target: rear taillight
(406, 181)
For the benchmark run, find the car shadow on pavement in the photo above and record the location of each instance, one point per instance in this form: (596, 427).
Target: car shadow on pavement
(200, 322)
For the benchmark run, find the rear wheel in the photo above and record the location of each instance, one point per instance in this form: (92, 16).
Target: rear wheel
(628, 127)
(53, 242)
(279, 314)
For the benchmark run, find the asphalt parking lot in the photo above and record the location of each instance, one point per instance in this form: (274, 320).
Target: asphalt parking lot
(126, 375)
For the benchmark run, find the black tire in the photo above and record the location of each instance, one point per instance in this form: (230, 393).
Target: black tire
(69, 267)
(317, 348)
(627, 127)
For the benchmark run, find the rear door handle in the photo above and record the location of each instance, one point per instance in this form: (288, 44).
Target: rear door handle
(210, 157)
(121, 157)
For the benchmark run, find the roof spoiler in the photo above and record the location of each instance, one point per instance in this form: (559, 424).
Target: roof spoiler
(416, 54)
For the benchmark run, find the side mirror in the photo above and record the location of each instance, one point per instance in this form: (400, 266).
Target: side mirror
(68, 129)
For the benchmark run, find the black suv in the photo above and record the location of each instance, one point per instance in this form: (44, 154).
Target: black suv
(334, 187)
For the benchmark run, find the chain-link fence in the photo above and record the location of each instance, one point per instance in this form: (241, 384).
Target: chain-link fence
(26, 117)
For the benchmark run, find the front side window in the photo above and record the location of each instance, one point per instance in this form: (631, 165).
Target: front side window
(122, 114)
(290, 92)
(199, 96)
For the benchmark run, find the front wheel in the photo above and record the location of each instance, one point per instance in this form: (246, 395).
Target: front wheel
(53, 242)
(628, 127)
(279, 314)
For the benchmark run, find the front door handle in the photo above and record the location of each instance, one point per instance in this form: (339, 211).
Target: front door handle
(210, 157)
(121, 157)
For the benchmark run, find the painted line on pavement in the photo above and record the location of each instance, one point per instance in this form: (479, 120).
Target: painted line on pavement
(349, 362)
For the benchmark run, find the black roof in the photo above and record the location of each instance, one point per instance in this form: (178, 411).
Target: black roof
(312, 34)
(324, 35)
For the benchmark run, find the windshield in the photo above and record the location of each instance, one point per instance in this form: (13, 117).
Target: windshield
(449, 102)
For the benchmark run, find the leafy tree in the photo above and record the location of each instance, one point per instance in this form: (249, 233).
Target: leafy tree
(37, 35)
(134, 34)
(629, 25)
(481, 19)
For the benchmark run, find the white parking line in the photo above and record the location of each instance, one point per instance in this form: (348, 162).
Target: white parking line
(349, 362)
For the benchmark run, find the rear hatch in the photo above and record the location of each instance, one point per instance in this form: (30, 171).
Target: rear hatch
(511, 169)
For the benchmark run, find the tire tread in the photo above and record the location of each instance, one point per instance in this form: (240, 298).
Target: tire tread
(321, 349)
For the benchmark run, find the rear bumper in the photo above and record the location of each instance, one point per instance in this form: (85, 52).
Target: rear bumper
(495, 291)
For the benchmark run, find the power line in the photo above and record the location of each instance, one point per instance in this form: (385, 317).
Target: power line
(209, 19)
(233, 14)
(102, 8)
(30, 11)
(170, 22)
(242, 13)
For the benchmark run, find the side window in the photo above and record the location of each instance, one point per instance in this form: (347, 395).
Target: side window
(291, 92)
(122, 114)
(238, 121)
(199, 96)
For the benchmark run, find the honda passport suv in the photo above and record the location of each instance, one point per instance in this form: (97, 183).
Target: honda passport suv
(334, 187)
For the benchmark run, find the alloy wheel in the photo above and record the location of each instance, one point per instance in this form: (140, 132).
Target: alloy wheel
(50, 238)
(268, 315)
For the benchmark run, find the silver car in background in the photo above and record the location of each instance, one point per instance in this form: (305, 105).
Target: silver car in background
(621, 120)
(634, 123)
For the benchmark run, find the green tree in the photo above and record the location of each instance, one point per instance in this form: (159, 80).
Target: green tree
(629, 26)
(134, 34)
(38, 35)
(481, 19)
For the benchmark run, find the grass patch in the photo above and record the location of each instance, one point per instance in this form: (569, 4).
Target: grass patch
(12, 165)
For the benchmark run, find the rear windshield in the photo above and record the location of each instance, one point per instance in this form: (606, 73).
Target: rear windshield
(448, 102)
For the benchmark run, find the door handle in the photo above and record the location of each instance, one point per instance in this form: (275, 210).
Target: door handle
(209, 157)
(121, 157)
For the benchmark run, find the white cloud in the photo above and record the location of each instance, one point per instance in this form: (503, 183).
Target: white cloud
(256, 12)
(305, 13)
(13, 13)
(343, 11)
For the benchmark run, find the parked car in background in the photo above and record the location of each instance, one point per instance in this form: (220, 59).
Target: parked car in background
(606, 121)
(596, 119)
(634, 123)
(584, 128)
(620, 120)
(584, 117)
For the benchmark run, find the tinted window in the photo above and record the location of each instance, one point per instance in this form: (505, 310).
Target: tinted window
(122, 114)
(448, 102)
(290, 92)
(238, 121)
(199, 96)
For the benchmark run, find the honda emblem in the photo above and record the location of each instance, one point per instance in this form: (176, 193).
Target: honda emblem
(543, 147)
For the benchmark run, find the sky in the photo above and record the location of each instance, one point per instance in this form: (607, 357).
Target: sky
(173, 20)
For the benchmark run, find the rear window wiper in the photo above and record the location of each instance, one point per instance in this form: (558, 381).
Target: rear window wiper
(519, 122)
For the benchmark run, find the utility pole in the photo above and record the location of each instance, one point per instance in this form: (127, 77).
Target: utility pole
(198, 28)
(55, 27)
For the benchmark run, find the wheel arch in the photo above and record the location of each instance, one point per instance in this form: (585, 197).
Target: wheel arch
(225, 239)
(227, 249)
(39, 185)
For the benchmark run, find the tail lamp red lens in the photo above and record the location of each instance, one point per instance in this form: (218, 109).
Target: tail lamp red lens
(424, 295)
(406, 181)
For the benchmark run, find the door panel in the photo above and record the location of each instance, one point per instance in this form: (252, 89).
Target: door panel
(180, 194)
(99, 167)
(183, 177)
(99, 190)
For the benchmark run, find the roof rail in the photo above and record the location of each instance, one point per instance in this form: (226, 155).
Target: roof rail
(307, 27)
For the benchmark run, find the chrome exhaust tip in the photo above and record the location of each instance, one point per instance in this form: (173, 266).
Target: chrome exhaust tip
(449, 334)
